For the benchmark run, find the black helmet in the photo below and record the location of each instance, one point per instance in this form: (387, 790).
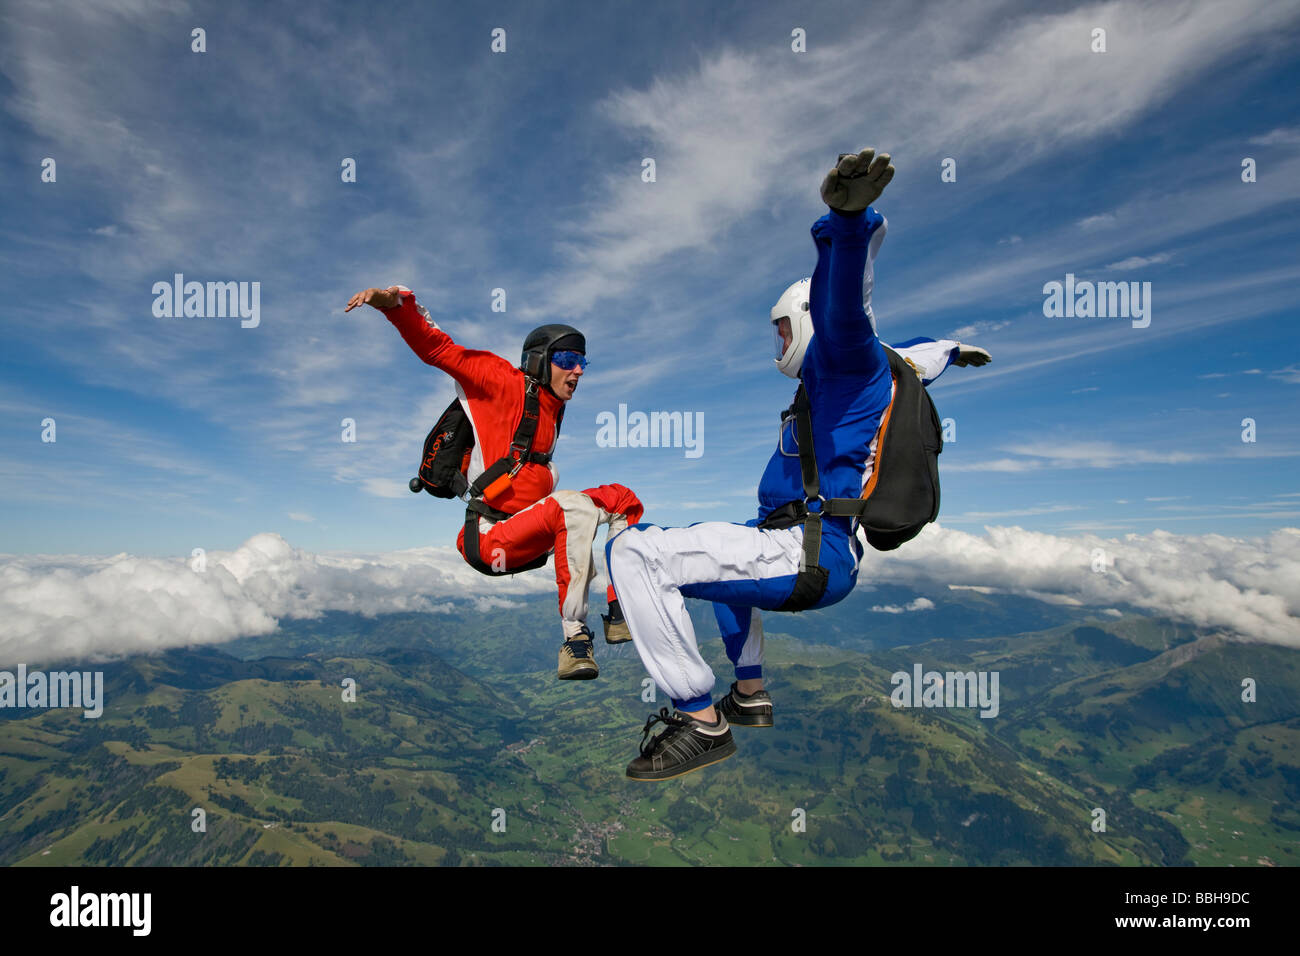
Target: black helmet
(542, 342)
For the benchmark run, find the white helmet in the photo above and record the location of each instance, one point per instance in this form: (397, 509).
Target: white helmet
(793, 305)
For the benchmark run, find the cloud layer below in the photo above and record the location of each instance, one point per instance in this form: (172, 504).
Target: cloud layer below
(100, 608)
(1248, 587)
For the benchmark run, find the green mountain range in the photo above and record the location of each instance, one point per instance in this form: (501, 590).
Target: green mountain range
(462, 748)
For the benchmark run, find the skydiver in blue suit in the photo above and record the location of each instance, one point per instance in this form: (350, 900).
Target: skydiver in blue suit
(746, 567)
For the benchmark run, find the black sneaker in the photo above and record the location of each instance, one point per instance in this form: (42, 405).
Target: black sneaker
(752, 711)
(576, 660)
(616, 631)
(688, 744)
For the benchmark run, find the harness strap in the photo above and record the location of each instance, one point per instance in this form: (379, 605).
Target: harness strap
(803, 432)
(810, 584)
(520, 451)
(473, 511)
(519, 454)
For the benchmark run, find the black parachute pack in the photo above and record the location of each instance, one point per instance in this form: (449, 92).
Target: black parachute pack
(900, 498)
(902, 494)
(447, 450)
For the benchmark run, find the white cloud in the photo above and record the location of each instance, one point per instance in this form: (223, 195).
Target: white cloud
(1002, 465)
(968, 332)
(491, 603)
(1140, 262)
(99, 608)
(1099, 221)
(386, 487)
(1283, 134)
(920, 604)
(1276, 516)
(1015, 513)
(1249, 588)
(1290, 374)
(300, 516)
(1046, 455)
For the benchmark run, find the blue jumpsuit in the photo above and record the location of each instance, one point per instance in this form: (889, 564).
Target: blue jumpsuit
(742, 568)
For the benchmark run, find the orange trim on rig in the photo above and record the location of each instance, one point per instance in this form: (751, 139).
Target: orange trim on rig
(498, 487)
(880, 444)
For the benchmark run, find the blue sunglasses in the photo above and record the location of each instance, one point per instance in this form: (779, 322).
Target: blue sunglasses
(568, 360)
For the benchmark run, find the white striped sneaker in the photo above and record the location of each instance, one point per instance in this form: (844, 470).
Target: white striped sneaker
(688, 744)
(752, 711)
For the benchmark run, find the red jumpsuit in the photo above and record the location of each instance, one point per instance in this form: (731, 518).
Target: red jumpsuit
(541, 519)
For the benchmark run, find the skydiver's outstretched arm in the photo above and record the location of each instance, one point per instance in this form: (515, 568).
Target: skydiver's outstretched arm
(930, 356)
(477, 372)
(847, 239)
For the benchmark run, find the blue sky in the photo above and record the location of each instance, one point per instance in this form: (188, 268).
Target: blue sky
(522, 171)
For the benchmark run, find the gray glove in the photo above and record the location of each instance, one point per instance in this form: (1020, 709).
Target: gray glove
(971, 355)
(857, 181)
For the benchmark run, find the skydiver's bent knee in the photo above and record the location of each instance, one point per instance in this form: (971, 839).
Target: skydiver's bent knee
(629, 547)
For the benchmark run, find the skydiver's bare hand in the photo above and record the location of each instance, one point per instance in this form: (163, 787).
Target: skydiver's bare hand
(379, 298)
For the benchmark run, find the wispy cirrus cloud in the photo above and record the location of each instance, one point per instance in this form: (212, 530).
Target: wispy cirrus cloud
(1003, 89)
(671, 279)
(1043, 456)
(1288, 135)
(1036, 456)
(1012, 513)
(1099, 221)
(1139, 262)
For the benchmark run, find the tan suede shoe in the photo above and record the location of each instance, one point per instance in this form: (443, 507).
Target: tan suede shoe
(576, 660)
(616, 631)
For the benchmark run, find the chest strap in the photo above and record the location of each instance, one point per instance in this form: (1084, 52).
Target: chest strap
(499, 475)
